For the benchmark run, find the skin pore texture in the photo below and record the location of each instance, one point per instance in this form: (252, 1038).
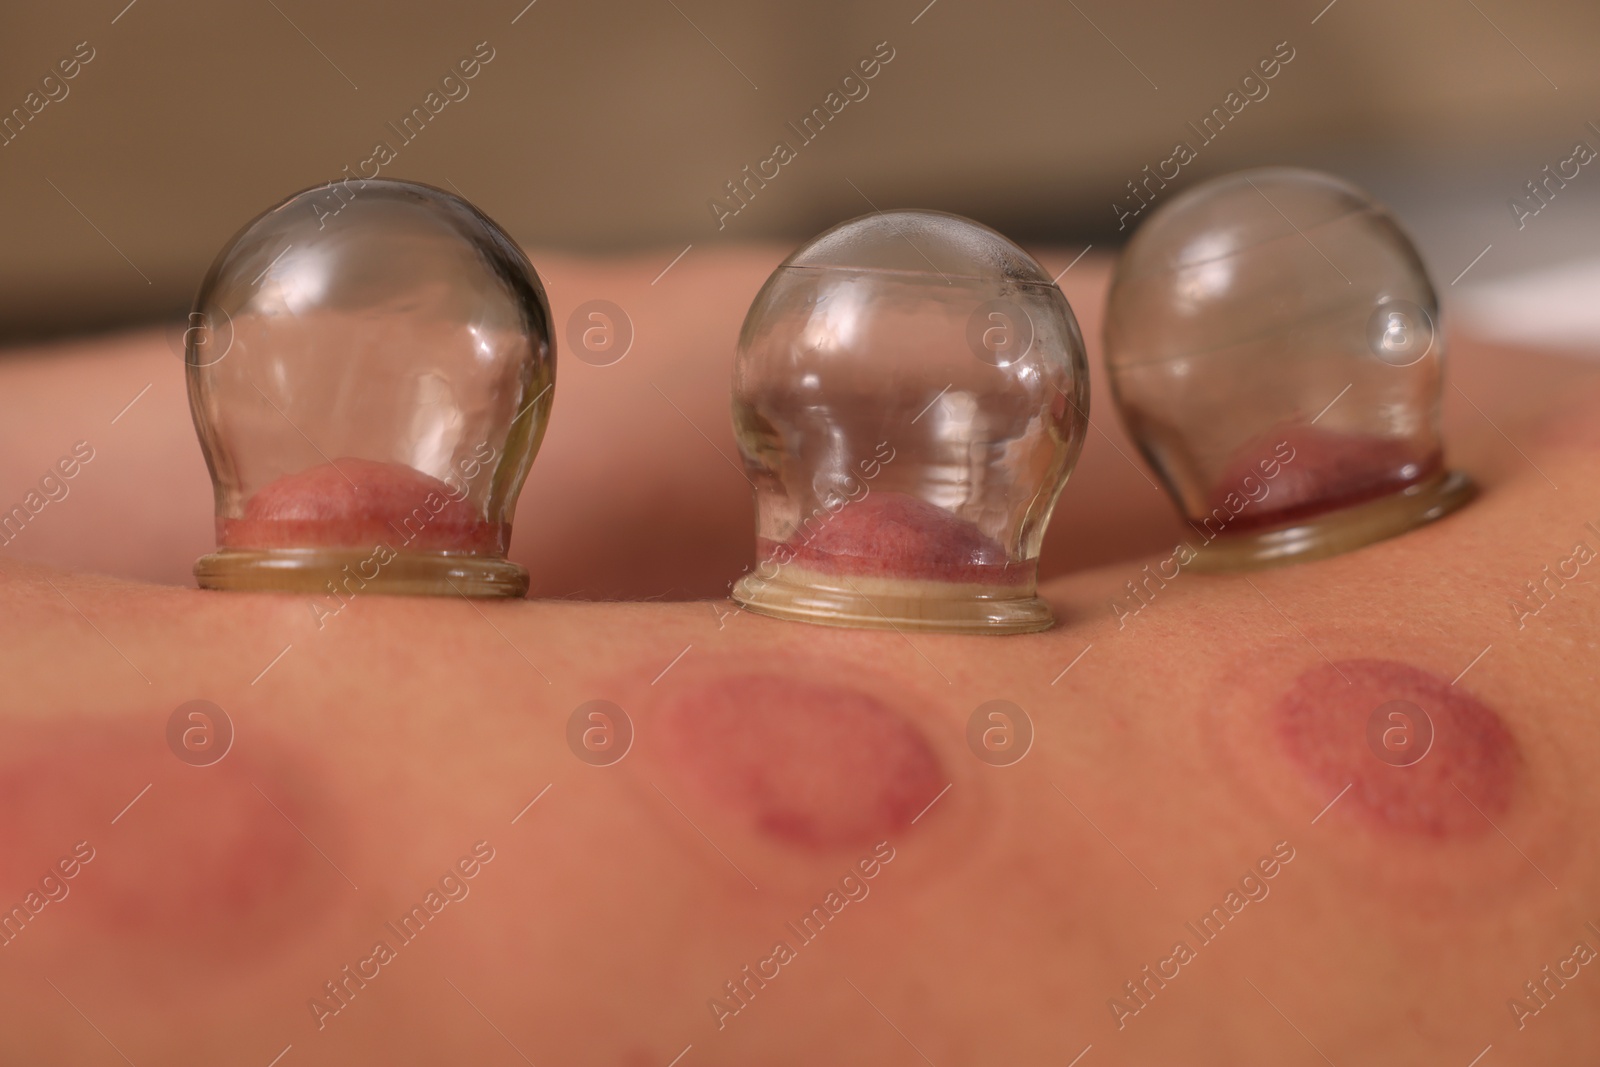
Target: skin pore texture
(1176, 756)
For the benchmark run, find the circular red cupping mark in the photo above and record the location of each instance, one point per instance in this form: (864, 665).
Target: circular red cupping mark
(1465, 780)
(813, 764)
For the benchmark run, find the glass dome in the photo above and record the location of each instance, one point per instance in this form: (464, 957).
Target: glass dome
(1273, 347)
(370, 371)
(910, 396)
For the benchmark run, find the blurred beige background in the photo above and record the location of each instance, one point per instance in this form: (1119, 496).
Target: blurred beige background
(609, 125)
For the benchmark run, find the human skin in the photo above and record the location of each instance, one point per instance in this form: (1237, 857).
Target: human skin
(351, 503)
(1188, 741)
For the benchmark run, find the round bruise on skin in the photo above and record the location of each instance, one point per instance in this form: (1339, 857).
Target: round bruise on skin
(1467, 777)
(201, 863)
(812, 764)
(357, 503)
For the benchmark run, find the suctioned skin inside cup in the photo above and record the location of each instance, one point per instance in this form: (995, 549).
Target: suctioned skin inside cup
(358, 503)
(897, 537)
(1303, 493)
(354, 523)
(1316, 471)
(894, 561)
